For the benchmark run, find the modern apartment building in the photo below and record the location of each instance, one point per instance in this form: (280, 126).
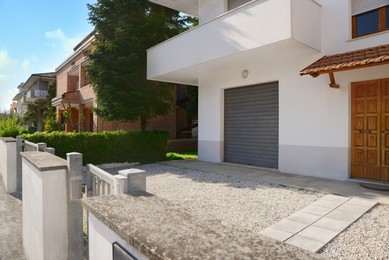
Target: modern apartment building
(300, 86)
(75, 94)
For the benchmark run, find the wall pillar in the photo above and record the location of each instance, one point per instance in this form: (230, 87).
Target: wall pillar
(8, 165)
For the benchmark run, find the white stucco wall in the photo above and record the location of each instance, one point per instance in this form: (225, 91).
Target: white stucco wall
(314, 121)
(337, 29)
(209, 9)
(101, 238)
(44, 213)
(8, 165)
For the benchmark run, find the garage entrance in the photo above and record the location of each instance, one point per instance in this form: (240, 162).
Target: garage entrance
(251, 125)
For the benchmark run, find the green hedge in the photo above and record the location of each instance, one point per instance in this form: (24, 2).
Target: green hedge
(107, 147)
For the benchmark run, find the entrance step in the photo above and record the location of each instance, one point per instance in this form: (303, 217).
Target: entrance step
(317, 224)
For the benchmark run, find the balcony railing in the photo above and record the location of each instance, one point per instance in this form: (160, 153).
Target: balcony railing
(36, 94)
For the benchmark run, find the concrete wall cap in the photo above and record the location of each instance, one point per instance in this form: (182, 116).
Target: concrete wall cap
(160, 229)
(130, 171)
(8, 139)
(44, 161)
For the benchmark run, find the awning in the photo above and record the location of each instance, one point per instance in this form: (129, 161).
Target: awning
(374, 56)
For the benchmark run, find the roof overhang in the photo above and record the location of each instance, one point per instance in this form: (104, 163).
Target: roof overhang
(358, 59)
(49, 76)
(19, 95)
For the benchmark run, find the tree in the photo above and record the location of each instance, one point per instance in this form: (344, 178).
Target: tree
(125, 29)
(34, 114)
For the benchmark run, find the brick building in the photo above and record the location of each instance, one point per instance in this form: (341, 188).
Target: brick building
(75, 94)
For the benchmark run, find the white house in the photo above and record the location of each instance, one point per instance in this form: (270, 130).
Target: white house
(262, 103)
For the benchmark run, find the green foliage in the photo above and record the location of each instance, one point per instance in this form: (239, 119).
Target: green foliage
(107, 147)
(51, 123)
(125, 30)
(181, 156)
(10, 126)
(34, 114)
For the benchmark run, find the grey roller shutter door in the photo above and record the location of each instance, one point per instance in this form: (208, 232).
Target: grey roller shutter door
(251, 125)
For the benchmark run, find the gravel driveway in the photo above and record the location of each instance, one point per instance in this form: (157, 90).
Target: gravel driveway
(253, 206)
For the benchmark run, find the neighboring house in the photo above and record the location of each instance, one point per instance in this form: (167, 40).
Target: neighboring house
(13, 108)
(35, 88)
(20, 100)
(76, 96)
(255, 107)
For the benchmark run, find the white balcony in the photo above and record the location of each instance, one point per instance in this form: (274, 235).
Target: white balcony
(35, 94)
(262, 28)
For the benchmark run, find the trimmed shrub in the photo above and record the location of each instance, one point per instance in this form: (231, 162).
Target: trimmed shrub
(10, 126)
(107, 147)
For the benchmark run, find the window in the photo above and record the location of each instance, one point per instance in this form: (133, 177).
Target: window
(372, 21)
(387, 17)
(232, 4)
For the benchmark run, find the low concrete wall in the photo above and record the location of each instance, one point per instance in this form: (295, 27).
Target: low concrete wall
(52, 213)
(8, 163)
(150, 227)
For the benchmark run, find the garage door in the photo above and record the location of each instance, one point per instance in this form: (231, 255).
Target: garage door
(251, 125)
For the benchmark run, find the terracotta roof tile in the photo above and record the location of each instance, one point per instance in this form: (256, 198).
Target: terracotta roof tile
(349, 60)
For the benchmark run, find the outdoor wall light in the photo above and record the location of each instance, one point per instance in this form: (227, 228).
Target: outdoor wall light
(245, 74)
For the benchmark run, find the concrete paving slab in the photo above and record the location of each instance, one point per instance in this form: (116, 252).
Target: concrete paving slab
(332, 224)
(305, 243)
(276, 234)
(343, 215)
(337, 198)
(361, 202)
(353, 209)
(331, 204)
(304, 217)
(289, 226)
(322, 235)
(316, 210)
(317, 224)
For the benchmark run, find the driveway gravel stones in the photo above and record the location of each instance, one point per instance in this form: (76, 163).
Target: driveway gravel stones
(253, 206)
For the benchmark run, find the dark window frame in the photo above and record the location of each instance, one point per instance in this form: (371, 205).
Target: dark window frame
(382, 22)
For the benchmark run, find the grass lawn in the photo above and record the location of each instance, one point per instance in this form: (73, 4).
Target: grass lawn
(181, 156)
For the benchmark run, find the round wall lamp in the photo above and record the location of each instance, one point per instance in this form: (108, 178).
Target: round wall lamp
(245, 74)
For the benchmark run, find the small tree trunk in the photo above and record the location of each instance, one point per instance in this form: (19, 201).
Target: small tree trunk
(39, 123)
(143, 123)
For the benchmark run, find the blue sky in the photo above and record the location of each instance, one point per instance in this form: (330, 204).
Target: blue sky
(36, 36)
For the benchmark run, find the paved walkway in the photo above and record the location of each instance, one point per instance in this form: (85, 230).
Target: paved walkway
(345, 188)
(317, 224)
(11, 245)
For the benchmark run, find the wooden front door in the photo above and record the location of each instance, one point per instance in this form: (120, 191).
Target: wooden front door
(370, 130)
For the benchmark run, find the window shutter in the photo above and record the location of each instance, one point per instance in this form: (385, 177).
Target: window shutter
(232, 4)
(361, 6)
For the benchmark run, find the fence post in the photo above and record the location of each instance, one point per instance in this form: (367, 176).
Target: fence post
(50, 150)
(75, 223)
(19, 147)
(119, 184)
(42, 147)
(136, 180)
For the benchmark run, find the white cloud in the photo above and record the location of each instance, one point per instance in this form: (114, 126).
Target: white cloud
(58, 38)
(26, 64)
(6, 99)
(6, 62)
